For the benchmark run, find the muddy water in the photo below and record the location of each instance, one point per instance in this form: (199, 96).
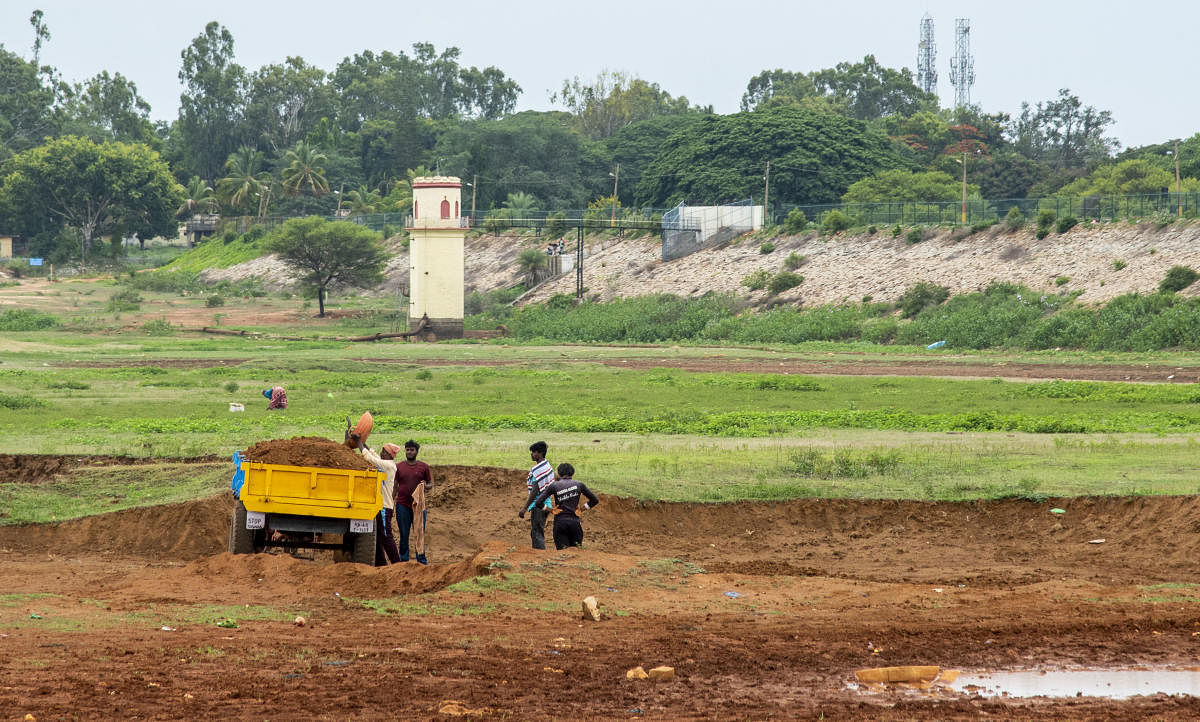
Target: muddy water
(1107, 683)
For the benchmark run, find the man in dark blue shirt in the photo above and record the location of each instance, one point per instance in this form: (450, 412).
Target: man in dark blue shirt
(568, 532)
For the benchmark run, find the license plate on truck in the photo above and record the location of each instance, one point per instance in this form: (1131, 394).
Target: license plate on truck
(256, 520)
(362, 526)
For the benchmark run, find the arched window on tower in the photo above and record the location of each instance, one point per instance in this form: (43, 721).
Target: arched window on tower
(445, 208)
(456, 209)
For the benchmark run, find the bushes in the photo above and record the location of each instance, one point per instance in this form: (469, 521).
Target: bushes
(835, 221)
(783, 281)
(766, 248)
(920, 296)
(757, 280)
(1045, 221)
(1066, 223)
(1014, 220)
(19, 319)
(795, 222)
(127, 299)
(214, 300)
(915, 235)
(1177, 279)
(794, 261)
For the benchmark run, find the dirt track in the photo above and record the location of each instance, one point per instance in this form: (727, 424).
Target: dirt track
(762, 609)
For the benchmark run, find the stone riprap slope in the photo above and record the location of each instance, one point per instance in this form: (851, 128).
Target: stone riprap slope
(836, 269)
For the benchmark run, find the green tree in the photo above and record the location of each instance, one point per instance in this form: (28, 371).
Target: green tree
(285, 102)
(198, 197)
(1063, 133)
(41, 33)
(904, 185)
(212, 102)
(1129, 177)
(362, 200)
(865, 90)
(108, 107)
(614, 100)
(815, 156)
(329, 254)
(520, 204)
(26, 105)
(76, 183)
(305, 167)
(245, 180)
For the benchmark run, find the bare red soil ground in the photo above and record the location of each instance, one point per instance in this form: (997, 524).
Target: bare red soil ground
(763, 610)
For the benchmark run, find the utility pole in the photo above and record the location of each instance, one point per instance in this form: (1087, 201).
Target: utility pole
(616, 177)
(474, 185)
(1178, 187)
(964, 190)
(766, 193)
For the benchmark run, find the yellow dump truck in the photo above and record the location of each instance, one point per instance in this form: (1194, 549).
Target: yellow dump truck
(302, 502)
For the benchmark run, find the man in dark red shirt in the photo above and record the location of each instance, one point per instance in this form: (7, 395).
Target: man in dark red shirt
(409, 474)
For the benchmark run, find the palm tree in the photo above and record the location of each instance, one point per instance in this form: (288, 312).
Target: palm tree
(520, 203)
(306, 166)
(245, 181)
(198, 198)
(362, 200)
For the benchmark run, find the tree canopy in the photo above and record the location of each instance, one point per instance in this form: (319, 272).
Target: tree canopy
(904, 185)
(74, 182)
(814, 155)
(329, 254)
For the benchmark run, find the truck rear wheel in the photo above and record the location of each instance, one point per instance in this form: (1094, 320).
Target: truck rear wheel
(363, 549)
(241, 539)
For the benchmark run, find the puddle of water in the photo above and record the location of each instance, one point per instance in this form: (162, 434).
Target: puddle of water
(1108, 683)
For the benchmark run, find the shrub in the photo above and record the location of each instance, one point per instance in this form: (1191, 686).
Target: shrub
(10, 401)
(1014, 219)
(561, 302)
(231, 386)
(784, 280)
(214, 301)
(835, 221)
(126, 299)
(766, 248)
(1045, 220)
(920, 296)
(914, 236)
(1062, 280)
(20, 319)
(872, 230)
(1042, 233)
(1177, 279)
(757, 280)
(980, 227)
(896, 230)
(1066, 223)
(531, 259)
(158, 327)
(794, 261)
(424, 374)
(795, 222)
(1118, 264)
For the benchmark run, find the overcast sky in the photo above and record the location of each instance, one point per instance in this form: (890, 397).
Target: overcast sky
(1127, 58)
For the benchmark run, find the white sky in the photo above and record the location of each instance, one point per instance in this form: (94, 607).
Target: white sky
(1127, 58)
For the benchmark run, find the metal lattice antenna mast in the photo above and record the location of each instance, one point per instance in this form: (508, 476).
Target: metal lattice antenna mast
(927, 57)
(962, 65)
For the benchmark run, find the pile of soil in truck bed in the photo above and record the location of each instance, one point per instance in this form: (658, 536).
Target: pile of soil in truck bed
(307, 451)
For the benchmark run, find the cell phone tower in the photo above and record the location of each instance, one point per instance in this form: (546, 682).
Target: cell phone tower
(962, 65)
(927, 57)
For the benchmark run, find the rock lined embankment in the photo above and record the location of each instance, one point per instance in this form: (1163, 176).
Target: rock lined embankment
(839, 268)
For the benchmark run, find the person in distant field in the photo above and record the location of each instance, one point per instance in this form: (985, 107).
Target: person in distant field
(277, 396)
(385, 543)
(568, 532)
(550, 249)
(410, 501)
(562, 247)
(540, 476)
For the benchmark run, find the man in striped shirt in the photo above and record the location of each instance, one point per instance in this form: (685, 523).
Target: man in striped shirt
(540, 476)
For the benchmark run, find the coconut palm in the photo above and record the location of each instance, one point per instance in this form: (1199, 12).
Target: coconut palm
(362, 200)
(198, 198)
(306, 167)
(520, 203)
(244, 184)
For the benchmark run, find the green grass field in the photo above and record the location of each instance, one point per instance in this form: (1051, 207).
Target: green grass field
(654, 433)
